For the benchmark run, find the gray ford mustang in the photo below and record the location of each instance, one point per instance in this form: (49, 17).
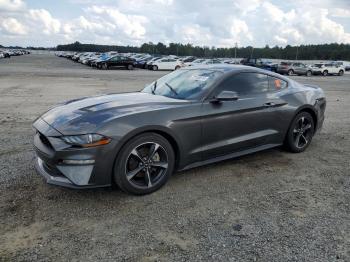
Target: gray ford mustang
(190, 117)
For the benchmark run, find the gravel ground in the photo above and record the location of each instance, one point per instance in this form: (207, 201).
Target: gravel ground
(269, 206)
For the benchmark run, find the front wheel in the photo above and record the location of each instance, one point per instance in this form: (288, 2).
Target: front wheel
(341, 72)
(325, 73)
(290, 72)
(144, 164)
(308, 73)
(104, 66)
(154, 68)
(300, 133)
(130, 67)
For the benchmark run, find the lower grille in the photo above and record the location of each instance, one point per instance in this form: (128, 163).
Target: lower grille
(52, 170)
(45, 141)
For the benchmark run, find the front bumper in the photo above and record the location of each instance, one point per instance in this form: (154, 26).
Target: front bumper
(56, 179)
(52, 155)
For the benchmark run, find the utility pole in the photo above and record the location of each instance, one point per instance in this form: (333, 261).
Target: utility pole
(251, 54)
(235, 51)
(296, 56)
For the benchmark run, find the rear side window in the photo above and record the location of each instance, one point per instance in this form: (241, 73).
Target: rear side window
(246, 84)
(276, 84)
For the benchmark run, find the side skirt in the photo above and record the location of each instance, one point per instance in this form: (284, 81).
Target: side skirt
(232, 155)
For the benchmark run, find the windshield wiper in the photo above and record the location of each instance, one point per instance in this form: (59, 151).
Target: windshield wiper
(154, 88)
(172, 89)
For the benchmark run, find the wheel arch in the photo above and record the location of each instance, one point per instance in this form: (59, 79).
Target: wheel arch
(163, 131)
(309, 109)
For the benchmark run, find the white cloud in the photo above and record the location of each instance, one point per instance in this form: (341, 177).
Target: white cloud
(130, 25)
(12, 26)
(11, 5)
(340, 12)
(49, 24)
(302, 25)
(199, 22)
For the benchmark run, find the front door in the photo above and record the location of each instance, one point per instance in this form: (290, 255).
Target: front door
(250, 121)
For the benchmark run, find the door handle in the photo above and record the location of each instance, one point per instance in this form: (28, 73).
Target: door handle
(269, 104)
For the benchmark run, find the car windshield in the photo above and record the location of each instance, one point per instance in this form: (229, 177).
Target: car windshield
(318, 65)
(186, 84)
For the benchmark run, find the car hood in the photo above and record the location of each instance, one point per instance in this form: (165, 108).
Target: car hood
(85, 115)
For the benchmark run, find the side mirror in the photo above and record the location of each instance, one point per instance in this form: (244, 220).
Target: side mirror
(225, 96)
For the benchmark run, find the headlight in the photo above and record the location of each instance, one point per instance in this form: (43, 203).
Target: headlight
(87, 140)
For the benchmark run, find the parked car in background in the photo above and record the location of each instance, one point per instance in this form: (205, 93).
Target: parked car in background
(4, 54)
(150, 62)
(142, 63)
(117, 61)
(256, 62)
(270, 66)
(345, 64)
(167, 63)
(195, 62)
(327, 69)
(291, 68)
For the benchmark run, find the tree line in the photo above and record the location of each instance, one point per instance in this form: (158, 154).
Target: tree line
(332, 51)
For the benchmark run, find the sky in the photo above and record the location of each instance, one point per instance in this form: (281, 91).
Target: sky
(219, 23)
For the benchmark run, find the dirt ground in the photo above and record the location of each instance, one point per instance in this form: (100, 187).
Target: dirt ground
(269, 206)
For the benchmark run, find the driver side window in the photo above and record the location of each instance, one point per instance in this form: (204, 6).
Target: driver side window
(245, 84)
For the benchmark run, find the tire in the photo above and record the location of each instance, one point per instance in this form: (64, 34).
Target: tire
(325, 73)
(130, 67)
(154, 68)
(341, 72)
(290, 72)
(177, 67)
(300, 133)
(134, 159)
(308, 73)
(104, 66)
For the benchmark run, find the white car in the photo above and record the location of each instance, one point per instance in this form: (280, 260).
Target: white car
(327, 69)
(166, 63)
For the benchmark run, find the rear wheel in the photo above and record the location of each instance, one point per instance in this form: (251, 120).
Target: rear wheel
(325, 72)
(290, 72)
(154, 68)
(130, 67)
(144, 164)
(300, 133)
(308, 73)
(104, 66)
(177, 67)
(341, 72)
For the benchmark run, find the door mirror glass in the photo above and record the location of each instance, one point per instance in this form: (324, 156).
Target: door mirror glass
(225, 96)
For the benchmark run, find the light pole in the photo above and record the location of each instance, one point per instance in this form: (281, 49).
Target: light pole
(296, 55)
(235, 51)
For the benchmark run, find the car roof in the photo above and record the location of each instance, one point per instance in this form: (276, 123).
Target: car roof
(229, 68)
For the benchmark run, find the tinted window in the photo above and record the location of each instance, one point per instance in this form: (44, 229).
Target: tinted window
(246, 84)
(276, 84)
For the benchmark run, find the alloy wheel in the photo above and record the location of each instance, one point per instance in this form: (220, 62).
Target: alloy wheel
(146, 165)
(302, 132)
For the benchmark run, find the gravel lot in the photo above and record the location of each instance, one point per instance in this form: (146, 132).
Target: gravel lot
(269, 206)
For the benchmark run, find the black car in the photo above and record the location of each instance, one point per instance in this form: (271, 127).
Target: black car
(6, 55)
(117, 61)
(190, 117)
